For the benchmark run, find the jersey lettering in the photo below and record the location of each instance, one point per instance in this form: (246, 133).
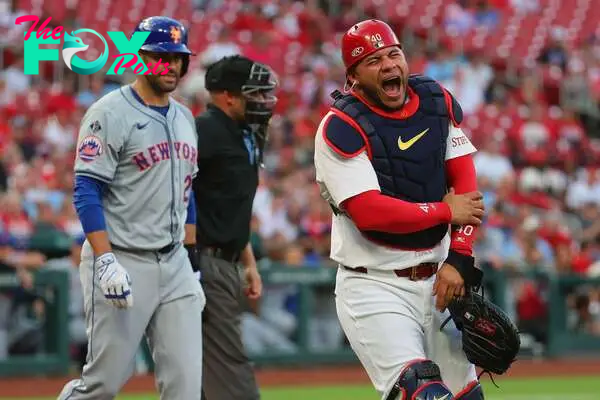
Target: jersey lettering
(160, 152)
(153, 155)
(140, 160)
(177, 148)
(164, 150)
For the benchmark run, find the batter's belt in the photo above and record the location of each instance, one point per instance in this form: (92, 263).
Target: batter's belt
(163, 250)
(415, 273)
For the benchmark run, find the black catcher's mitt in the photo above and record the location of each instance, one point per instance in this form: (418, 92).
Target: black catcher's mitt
(490, 340)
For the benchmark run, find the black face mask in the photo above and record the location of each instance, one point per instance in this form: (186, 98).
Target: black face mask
(260, 102)
(258, 92)
(259, 110)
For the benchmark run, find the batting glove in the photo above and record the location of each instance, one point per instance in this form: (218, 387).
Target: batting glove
(114, 281)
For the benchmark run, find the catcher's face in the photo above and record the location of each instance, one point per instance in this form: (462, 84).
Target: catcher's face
(168, 82)
(382, 77)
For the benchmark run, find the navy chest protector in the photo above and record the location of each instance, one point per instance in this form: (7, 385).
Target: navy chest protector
(408, 154)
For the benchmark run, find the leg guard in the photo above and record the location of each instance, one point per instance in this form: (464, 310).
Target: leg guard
(472, 392)
(420, 380)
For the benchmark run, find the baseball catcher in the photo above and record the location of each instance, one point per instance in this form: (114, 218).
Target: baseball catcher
(397, 170)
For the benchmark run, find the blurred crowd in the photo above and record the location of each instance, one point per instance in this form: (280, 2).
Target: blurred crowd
(537, 128)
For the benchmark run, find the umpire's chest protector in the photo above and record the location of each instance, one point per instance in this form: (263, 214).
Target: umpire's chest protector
(407, 151)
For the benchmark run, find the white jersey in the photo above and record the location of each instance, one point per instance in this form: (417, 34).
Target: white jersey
(342, 178)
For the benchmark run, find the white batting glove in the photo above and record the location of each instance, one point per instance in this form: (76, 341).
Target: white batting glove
(114, 281)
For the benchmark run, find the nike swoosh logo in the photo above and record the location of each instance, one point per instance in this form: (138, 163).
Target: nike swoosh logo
(408, 144)
(142, 126)
(441, 398)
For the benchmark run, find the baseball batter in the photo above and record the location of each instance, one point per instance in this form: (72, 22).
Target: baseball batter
(397, 170)
(134, 166)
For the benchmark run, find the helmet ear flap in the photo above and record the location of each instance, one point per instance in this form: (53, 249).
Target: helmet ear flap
(185, 64)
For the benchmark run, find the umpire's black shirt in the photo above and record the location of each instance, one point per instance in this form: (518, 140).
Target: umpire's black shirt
(226, 183)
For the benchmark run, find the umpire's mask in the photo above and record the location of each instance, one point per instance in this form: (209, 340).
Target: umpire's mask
(258, 92)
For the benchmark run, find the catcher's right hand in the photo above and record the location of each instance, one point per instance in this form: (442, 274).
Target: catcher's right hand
(114, 281)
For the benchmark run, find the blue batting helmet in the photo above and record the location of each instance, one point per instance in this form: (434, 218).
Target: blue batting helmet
(167, 35)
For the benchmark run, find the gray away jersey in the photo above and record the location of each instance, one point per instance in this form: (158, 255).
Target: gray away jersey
(147, 162)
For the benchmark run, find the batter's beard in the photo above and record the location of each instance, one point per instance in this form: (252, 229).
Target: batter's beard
(158, 87)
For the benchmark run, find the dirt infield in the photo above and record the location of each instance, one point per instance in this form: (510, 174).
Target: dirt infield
(29, 387)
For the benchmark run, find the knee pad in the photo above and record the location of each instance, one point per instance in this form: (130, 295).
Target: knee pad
(420, 380)
(472, 392)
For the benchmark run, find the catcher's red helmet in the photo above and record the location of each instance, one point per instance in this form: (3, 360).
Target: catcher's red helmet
(365, 38)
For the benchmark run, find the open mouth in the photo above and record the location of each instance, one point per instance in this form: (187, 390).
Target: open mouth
(392, 86)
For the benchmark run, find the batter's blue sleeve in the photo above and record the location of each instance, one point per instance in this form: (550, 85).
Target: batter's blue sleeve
(191, 210)
(87, 199)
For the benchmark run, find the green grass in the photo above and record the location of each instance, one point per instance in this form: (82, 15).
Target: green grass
(581, 388)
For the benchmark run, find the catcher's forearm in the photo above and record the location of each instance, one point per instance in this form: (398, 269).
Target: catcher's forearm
(375, 211)
(461, 175)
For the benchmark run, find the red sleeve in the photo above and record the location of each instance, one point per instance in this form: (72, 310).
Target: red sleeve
(461, 175)
(373, 211)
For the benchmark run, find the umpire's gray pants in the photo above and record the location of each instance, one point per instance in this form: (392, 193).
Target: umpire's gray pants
(227, 372)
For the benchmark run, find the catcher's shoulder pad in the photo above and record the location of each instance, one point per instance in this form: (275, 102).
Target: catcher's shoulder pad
(342, 137)
(490, 339)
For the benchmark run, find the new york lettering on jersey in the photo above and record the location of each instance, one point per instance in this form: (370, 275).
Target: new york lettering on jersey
(160, 152)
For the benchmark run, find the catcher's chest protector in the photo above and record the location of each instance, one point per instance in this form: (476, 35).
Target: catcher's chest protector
(408, 154)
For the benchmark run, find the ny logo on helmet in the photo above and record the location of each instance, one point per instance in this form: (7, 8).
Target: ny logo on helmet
(175, 34)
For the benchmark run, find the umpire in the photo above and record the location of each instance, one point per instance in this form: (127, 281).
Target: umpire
(231, 136)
